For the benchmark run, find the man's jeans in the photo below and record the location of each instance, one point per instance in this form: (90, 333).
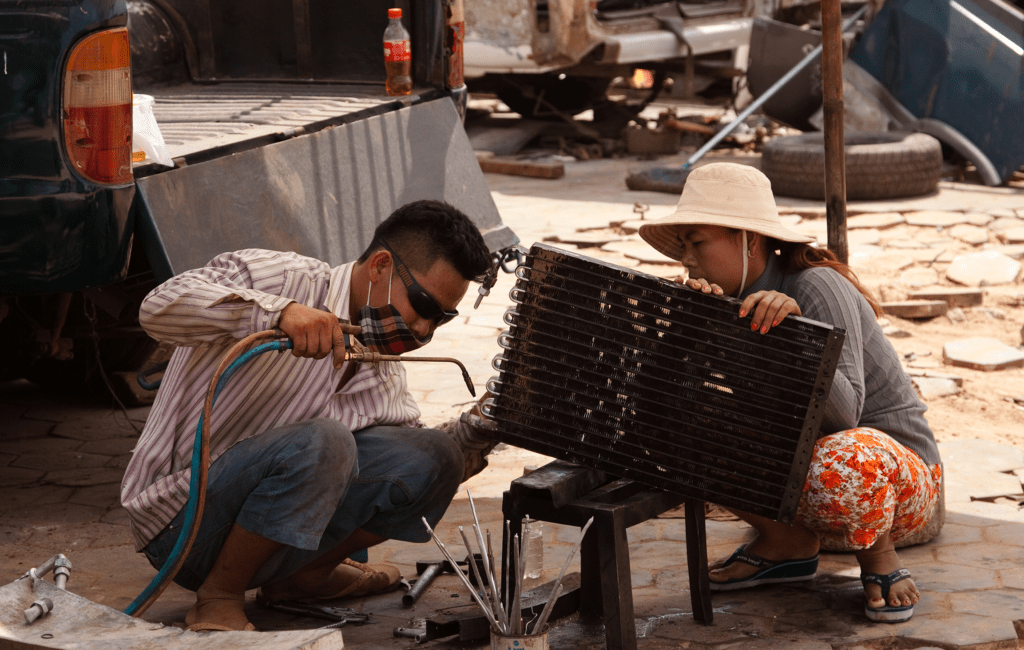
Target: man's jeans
(310, 485)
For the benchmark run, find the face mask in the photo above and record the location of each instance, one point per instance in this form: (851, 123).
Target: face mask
(384, 330)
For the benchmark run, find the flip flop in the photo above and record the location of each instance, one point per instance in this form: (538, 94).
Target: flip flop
(772, 571)
(887, 614)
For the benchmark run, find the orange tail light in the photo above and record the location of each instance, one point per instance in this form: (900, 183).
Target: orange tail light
(98, 107)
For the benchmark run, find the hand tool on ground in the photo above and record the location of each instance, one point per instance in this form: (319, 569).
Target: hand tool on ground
(428, 571)
(417, 634)
(338, 615)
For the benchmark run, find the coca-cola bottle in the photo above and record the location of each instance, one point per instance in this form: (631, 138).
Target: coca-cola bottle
(397, 56)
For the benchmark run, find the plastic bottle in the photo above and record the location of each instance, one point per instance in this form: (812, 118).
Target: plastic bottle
(535, 558)
(397, 56)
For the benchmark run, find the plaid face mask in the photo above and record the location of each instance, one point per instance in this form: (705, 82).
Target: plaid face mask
(384, 330)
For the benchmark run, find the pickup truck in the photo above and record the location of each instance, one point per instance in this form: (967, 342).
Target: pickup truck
(281, 134)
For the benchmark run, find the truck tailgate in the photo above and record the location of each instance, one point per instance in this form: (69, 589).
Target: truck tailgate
(313, 172)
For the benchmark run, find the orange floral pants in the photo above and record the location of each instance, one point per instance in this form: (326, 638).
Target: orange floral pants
(863, 483)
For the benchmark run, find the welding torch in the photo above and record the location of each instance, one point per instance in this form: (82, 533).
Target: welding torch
(355, 351)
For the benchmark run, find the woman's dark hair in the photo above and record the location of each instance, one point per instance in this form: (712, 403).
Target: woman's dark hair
(797, 257)
(424, 231)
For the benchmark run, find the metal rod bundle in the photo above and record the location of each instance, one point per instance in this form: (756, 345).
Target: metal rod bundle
(504, 615)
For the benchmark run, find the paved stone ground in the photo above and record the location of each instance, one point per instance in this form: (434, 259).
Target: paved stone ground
(62, 461)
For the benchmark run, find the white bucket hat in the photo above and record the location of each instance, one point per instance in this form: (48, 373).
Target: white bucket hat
(721, 194)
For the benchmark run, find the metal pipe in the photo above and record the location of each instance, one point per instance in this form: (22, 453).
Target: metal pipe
(462, 576)
(835, 145)
(756, 104)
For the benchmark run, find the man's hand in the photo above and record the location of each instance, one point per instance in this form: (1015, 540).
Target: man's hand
(314, 333)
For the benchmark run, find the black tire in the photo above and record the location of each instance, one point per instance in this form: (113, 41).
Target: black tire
(539, 96)
(878, 165)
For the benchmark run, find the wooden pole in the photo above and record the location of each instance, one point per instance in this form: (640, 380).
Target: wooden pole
(835, 144)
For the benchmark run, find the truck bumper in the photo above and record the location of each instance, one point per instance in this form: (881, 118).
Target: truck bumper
(53, 241)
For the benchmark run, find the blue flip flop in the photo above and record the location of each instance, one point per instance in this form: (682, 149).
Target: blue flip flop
(772, 572)
(887, 614)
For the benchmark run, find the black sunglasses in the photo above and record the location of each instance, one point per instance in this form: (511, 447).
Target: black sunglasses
(422, 302)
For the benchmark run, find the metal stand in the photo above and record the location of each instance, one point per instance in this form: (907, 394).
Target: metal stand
(567, 494)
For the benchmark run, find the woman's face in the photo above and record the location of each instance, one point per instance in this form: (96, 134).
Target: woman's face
(713, 253)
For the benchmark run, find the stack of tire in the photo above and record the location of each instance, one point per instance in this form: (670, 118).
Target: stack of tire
(878, 165)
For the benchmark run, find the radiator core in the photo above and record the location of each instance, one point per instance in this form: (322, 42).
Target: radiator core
(645, 379)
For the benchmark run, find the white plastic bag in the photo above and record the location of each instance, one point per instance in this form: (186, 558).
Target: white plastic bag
(146, 139)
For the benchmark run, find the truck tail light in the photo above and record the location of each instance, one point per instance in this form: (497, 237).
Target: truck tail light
(98, 107)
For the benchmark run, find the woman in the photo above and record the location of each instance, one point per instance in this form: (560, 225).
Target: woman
(875, 476)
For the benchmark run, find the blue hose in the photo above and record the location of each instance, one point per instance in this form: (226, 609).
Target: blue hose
(193, 499)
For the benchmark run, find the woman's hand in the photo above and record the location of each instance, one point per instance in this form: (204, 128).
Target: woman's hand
(769, 308)
(702, 285)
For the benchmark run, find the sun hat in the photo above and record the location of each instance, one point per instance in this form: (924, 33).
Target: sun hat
(721, 194)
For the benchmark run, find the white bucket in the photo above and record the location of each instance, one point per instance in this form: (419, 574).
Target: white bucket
(532, 642)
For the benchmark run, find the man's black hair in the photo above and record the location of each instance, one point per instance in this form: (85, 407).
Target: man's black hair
(421, 232)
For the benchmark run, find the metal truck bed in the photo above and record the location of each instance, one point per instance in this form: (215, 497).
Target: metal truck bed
(205, 121)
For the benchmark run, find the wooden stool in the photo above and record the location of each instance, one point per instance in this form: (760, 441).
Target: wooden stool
(564, 493)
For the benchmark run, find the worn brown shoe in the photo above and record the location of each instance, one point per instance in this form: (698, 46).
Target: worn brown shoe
(348, 580)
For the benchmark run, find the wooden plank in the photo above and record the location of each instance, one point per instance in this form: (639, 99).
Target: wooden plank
(515, 167)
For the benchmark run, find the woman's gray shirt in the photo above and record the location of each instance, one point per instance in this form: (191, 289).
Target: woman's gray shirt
(870, 388)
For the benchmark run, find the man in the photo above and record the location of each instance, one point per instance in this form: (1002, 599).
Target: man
(312, 459)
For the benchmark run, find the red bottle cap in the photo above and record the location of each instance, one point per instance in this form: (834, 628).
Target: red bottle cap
(394, 13)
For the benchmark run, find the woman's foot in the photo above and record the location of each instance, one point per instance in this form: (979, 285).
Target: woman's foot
(217, 610)
(798, 544)
(883, 561)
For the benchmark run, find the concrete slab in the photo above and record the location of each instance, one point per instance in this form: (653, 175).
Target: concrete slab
(955, 630)
(879, 220)
(887, 262)
(954, 296)
(866, 237)
(904, 243)
(982, 353)
(85, 625)
(1015, 251)
(932, 388)
(983, 269)
(919, 277)
(979, 218)
(933, 374)
(915, 308)
(982, 456)
(935, 218)
(1005, 223)
(969, 233)
(1012, 236)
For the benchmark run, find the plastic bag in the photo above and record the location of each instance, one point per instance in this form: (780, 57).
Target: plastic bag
(146, 139)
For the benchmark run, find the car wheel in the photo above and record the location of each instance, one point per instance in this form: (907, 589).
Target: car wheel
(878, 165)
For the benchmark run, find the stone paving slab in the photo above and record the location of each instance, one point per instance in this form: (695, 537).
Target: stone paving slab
(954, 297)
(983, 269)
(982, 353)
